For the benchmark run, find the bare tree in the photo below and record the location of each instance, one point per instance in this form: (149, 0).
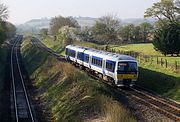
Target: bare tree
(164, 10)
(3, 12)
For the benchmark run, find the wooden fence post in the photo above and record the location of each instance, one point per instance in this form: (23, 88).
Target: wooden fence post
(139, 58)
(161, 62)
(176, 65)
(166, 62)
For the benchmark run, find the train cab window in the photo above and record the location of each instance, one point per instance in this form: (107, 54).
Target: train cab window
(127, 67)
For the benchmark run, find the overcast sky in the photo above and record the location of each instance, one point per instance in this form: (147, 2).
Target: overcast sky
(24, 10)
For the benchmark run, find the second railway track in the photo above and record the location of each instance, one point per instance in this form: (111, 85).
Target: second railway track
(21, 107)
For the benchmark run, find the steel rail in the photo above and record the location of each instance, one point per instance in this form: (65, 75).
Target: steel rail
(13, 83)
(24, 88)
(15, 48)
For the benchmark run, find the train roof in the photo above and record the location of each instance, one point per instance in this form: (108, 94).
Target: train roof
(75, 47)
(101, 53)
(109, 55)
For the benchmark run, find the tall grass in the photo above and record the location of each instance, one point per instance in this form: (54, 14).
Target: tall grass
(114, 112)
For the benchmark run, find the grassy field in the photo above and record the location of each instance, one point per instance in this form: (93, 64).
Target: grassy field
(69, 93)
(147, 49)
(57, 46)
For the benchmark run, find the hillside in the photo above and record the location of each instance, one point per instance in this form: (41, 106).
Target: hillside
(35, 25)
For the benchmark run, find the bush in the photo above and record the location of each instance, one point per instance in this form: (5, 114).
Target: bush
(166, 39)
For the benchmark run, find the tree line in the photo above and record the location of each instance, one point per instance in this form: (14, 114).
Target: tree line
(164, 34)
(7, 29)
(107, 29)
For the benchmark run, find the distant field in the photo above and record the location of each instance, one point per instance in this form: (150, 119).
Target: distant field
(147, 49)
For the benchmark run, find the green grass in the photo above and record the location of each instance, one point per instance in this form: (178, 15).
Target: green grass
(33, 57)
(70, 94)
(162, 81)
(147, 49)
(57, 46)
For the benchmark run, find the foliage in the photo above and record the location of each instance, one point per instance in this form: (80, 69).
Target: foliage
(44, 31)
(58, 22)
(164, 10)
(146, 31)
(133, 34)
(126, 33)
(105, 30)
(2, 34)
(85, 34)
(66, 35)
(166, 39)
(7, 30)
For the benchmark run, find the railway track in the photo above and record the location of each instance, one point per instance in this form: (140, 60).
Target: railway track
(21, 107)
(164, 106)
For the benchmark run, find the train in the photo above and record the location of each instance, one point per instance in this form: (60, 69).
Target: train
(120, 70)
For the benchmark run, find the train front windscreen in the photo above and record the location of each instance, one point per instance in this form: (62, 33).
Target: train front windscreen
(127, 67)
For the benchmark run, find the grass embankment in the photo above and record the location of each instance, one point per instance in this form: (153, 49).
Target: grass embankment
(69, 93)
(56, 45)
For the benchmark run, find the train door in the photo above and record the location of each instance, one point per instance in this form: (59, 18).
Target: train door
(103, 66)
(90, 61)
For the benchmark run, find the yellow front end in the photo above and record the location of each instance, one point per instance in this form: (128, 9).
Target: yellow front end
(133, 77)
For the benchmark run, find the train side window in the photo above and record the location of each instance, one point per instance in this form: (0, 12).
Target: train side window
(72, 53)
(79, 56)
(110, 66)
(86, 58)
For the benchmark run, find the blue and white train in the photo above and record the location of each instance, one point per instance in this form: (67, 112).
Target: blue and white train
(121, 70)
